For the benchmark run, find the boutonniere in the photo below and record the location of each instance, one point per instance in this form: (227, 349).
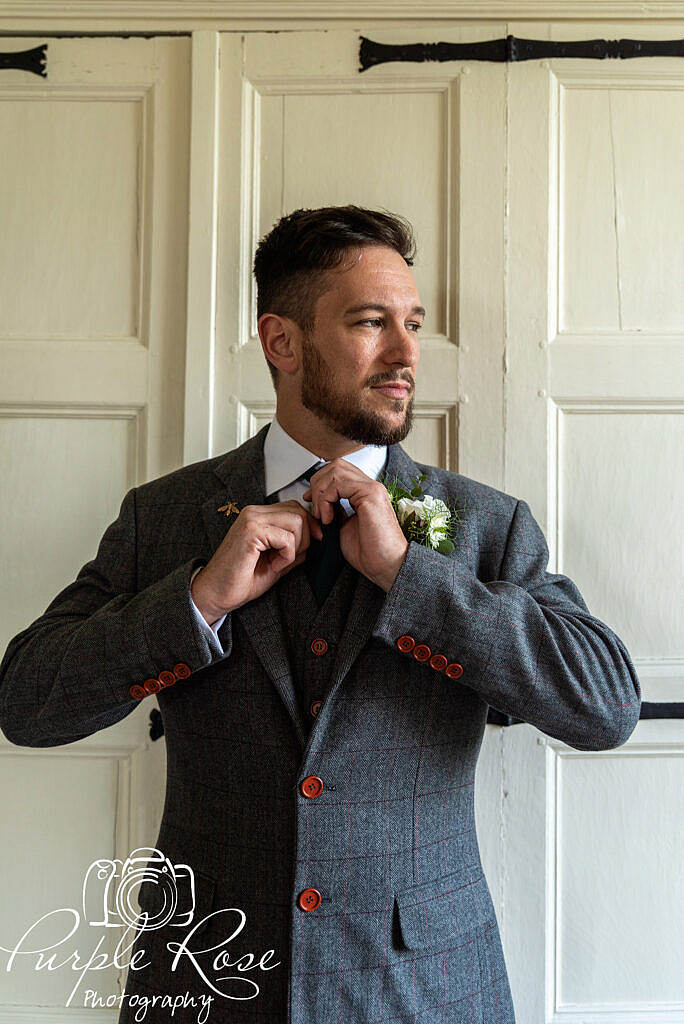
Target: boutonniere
(229, 508)
(422, 517)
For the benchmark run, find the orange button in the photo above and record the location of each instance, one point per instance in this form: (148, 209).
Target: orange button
(421, 652)
(138, 691)
(309, 899)
(454, 670)
(319, 645)
(167, 678)
(152, 685)
(315, 706)
(437, 661)
(311, 786)
(406, 643)
(181, 670)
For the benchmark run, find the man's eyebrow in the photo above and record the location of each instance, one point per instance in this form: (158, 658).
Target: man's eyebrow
(377, 305)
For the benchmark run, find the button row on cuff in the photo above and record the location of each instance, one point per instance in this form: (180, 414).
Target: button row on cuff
(421, 652)
(166, 678)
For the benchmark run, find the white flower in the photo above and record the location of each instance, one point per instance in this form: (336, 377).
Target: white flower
(407, 507)
(426, 508)
(436, 530)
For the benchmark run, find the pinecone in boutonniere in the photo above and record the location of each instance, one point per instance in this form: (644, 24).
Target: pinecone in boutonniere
(422, 517)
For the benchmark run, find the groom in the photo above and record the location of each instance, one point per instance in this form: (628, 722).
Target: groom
(323, 682)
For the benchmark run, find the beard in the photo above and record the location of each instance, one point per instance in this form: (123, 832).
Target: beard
(344, 412)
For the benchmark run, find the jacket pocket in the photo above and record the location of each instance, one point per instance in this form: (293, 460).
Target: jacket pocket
(436, 912)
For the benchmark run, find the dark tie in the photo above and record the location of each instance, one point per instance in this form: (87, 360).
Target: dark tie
(324, 558)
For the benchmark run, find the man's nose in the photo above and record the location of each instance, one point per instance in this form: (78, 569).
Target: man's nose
(405, 342)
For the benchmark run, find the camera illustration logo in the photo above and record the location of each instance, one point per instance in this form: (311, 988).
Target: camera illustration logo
(165, 892)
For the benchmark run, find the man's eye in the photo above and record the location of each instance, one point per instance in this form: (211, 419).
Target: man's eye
(377, 321)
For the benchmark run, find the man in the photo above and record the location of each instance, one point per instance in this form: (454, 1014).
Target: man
(323, 681)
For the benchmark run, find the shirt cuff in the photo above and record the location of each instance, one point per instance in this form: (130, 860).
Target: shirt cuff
(210, 631)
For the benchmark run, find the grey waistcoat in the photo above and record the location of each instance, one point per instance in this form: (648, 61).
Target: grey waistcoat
(308, 629)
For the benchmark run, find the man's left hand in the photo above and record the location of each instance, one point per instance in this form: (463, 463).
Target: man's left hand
(372, 540)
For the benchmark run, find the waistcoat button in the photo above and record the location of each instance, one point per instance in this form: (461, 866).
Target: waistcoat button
(319, 645)
(309, 899)
(315, 706)
(311, 786)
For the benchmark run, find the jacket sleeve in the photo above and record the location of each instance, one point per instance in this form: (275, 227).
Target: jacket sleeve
(102, 646)
(525, 642)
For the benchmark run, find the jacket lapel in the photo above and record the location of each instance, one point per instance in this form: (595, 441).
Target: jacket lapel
(241, 473)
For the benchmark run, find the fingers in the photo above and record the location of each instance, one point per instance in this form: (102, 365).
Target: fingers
(272, 522)
(337, 479)
(282, 548)
(322, 508)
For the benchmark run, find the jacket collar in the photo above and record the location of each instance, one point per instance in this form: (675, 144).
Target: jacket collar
(241, 472)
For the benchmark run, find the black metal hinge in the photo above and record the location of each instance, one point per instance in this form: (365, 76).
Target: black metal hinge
(512, 49)
(649, 709)
(26, 60)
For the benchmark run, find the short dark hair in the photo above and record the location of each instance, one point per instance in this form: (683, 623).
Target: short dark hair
(292, 260)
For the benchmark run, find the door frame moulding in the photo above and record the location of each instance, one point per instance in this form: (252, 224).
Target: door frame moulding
(45, 15)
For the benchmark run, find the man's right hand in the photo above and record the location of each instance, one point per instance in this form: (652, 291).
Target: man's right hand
(263, 544)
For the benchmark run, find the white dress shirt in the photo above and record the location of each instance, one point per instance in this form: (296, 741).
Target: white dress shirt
(284, 462)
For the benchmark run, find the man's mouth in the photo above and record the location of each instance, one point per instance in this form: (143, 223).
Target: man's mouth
(395, 389)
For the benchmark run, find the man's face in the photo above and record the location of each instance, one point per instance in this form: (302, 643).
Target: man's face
(365, 334)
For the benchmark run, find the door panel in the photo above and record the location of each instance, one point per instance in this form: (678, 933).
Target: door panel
(595, 384)
(92, 341)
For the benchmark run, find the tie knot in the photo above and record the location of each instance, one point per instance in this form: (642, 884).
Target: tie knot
(311, 470)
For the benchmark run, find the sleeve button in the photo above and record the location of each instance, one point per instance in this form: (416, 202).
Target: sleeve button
(406, 643)
(152, 685)
(181, 670)
(421, 652)
(438, 662)
(138, 691)
(454, 670)
(167, 678)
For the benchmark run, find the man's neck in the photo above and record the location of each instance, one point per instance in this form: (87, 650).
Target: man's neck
(308, 431)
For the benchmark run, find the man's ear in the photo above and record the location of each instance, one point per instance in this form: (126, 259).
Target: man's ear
(278, 340)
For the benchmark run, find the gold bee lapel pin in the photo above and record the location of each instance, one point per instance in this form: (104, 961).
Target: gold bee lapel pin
(229, 508)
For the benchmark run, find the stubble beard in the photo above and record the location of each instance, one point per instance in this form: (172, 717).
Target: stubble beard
(344, 412)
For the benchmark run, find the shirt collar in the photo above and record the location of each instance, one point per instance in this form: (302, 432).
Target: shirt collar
(285, 459)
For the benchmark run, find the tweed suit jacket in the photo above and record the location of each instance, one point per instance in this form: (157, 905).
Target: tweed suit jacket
(406, 928)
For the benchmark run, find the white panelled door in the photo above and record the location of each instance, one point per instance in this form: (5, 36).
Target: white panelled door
(93, 251)
(594, 440)
(548, 215)
(548, 210)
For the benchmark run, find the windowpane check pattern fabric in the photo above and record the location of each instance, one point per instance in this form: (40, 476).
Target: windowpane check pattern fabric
(369, 801)
(324, 559)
